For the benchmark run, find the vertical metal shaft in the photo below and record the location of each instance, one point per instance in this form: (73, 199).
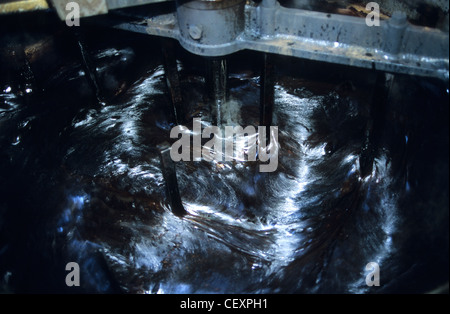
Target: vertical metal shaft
(173, 80)
(374, 125)
(88, 65)
(267, 94)
(170, 178)
(217, 85)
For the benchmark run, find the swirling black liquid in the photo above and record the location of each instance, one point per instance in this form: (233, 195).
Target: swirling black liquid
(81, 180)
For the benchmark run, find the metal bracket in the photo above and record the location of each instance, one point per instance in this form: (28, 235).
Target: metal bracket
(396, 46)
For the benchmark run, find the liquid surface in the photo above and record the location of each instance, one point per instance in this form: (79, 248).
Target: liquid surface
(81, 181)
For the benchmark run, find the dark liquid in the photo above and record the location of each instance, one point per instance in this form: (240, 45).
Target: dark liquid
(81, 181)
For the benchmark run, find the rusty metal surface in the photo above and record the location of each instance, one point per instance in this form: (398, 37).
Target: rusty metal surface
(22, 6)
(98, 7)
(87, 7)
(116, 4)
